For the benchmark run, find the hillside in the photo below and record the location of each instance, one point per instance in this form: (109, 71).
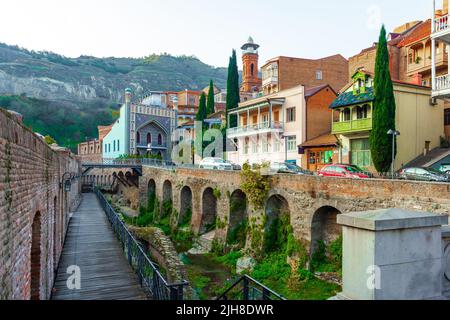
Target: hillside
(68, 123)
(68, 98)
(51, 76)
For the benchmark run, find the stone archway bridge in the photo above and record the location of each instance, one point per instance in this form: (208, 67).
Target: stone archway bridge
(307, 197)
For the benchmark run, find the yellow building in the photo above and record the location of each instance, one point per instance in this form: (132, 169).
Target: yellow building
(419, 121)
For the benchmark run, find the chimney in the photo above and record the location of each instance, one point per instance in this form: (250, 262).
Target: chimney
(417, 79)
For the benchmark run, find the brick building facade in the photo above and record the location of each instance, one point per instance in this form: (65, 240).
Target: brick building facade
(34, 211)
(283, 73)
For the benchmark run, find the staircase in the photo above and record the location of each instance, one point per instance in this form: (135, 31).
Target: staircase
(203, 244)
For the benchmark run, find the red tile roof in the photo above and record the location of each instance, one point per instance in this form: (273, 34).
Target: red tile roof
(423, 30)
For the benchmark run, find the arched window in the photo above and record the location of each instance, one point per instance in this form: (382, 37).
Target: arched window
(252, 69)
(138, 137)
(160, 139)
(149, 138)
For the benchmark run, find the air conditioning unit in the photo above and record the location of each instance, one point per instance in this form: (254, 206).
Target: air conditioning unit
(433, 102)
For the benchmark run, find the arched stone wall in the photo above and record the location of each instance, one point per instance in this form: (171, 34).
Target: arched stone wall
(209, 211)
(36, 257)
(324, 226)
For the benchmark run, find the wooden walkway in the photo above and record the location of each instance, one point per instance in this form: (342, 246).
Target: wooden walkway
(92, 246)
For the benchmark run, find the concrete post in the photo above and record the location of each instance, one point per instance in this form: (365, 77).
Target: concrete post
(392, 254)
(446, 260)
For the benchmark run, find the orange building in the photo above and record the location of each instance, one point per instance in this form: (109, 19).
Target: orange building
(91, 150)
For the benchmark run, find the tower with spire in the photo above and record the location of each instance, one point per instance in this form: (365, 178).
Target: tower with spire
(250, 79)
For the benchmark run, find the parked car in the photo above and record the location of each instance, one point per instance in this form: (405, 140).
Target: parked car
(235, 166)
(445, 168)
(289, 168)
(424, 174)
(345, 171)
(370, 174)
(215, 164)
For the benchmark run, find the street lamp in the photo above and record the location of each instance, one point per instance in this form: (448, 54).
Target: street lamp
(394, 134)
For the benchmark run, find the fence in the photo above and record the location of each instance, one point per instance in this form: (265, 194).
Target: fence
(148, 274)
(247, 288)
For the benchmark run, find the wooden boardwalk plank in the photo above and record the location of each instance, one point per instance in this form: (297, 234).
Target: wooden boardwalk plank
(91, 245)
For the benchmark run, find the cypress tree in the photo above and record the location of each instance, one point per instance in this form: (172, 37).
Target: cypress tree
(233, 97)
(383, 109)
(201, 113)
(210, 104)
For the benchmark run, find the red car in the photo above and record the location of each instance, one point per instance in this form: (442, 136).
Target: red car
(344, 171)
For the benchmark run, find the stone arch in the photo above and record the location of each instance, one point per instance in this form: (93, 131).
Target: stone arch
(277, 216)
(35, 258)
(167, 200)
(209, 211)
(324, 226)
(151, 187)
(185, 206)
(167, 191)
(238, 218)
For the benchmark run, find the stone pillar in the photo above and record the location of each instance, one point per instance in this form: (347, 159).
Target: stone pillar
(446, 261)
(392, 254)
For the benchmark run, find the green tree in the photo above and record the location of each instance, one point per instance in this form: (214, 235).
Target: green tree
(210, 105)
(233, 97)
(383, 110)
(201, 113)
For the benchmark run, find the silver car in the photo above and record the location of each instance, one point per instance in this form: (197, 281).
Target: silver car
(215, 164)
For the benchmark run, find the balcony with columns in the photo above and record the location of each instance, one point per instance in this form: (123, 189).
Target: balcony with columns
(262, 118)
(440, 33)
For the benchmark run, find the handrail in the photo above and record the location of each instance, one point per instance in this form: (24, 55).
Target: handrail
(249, 290)
(148, 274)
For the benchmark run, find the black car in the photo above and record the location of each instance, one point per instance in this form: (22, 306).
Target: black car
(289, 168)
(424, 174)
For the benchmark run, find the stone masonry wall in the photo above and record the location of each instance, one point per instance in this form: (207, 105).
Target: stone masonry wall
(306, 195)
(30, 172)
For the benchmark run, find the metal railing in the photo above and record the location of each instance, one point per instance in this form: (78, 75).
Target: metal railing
(148, 274)
(442, 23)
(247, 289)
(274, 125)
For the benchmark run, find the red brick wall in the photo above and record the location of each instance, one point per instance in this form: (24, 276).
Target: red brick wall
(30, 172)
(318, 113)
(294, 71)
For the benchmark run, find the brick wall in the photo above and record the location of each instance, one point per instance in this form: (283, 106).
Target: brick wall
(30, 172)
(306, 196)
(294, 71)
(318, 113)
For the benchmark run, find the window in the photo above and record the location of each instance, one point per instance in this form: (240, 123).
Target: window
(118, 145)
(265, 146)
(319, 75)
(346, 115)
(160, 142)
(276, 146)
(362, 112)
(291, 143)
(255, 147)
(246, 143)
(252, 69)
(114, 146)
(109, 147)
(138, 137)
(290, 114)
(360, 152)
(447, 117)
(149, 138)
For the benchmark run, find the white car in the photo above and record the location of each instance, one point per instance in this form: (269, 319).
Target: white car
(215, 164)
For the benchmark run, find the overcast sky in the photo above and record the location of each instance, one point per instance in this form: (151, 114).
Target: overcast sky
(208, 29)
